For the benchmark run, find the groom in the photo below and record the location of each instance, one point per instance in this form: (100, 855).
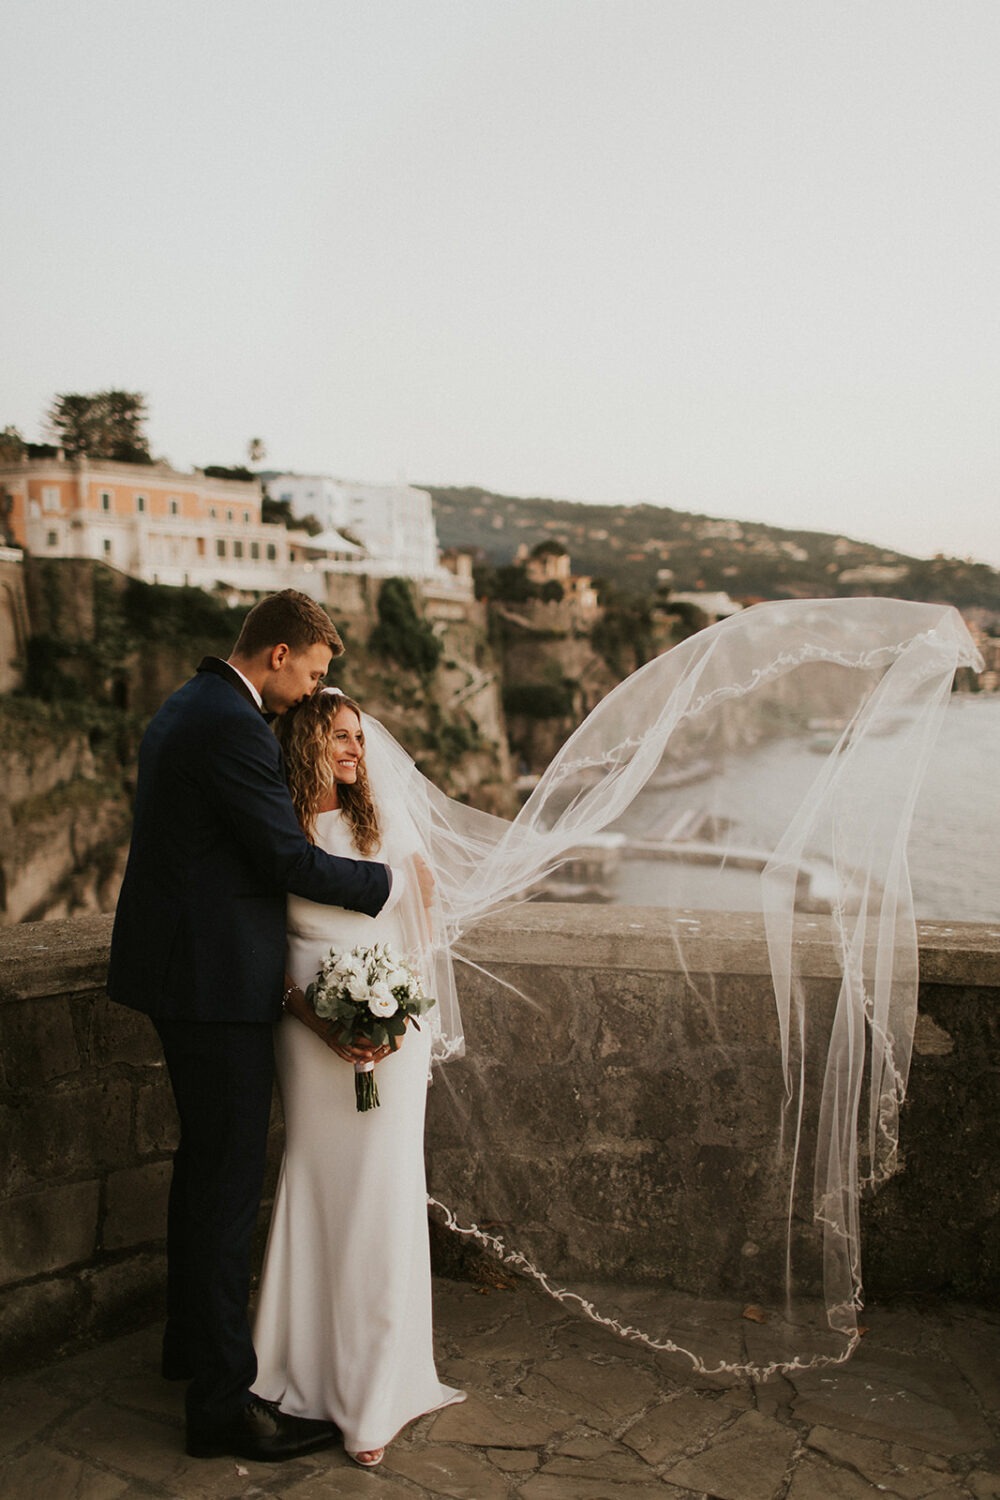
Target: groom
(199, 946)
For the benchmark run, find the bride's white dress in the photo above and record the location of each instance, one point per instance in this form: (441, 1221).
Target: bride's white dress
(343, 1329)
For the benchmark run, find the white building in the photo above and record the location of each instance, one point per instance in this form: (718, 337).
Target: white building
(394, 523)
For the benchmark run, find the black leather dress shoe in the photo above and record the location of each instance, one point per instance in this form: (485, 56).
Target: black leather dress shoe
(264, 1433)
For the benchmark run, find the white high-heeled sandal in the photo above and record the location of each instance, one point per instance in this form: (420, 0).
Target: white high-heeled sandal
(368, 1458)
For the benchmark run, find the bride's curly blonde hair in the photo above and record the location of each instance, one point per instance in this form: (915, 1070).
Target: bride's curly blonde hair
(304, 735)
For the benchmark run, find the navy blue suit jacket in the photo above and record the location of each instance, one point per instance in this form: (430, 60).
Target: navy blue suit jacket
(199, 932)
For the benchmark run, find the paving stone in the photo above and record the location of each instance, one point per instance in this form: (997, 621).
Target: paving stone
(473, 1310)
(711, 1326)
(495, 1422)
(815, 1479)
(685, 1422)
(45, 1474)
(982, 1485)
(897, 1398)
(902, 1471)
(449, 1471)
(27, 1409)
(773, 1398)
(585, 1445)
(606, 1463)
(568, 1421)
(572, 1487)
(602, 1394)
(513, 1460)
(746, 1461)
(778, 1341)
(974, 1345)
(129, 1443)
(476, 1375)
(338, 1479)
(516, 1339)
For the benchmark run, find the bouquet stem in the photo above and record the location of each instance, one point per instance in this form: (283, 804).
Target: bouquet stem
(365, 1087)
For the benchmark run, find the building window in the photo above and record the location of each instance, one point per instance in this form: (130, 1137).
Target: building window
(255, 551)
(51, 538)
(140, 503)
(175, 506)
(211, 512)
(220, 547)
(105, 500)
(107, 546)
(50, 497)
(272, 552)
(291, 554)
(229, 515)
(246, 518)
(200, 545)
(237, 549)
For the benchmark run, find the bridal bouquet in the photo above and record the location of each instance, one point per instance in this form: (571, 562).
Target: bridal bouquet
(369, 995)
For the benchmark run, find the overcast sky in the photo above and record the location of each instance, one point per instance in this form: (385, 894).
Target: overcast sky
(732, 256)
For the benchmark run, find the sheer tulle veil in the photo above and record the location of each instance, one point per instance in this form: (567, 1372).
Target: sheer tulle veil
(862, 685)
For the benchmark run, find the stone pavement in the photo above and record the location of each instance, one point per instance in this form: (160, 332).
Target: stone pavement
(559, 1409)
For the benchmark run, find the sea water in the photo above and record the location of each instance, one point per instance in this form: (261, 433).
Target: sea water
(954, 847)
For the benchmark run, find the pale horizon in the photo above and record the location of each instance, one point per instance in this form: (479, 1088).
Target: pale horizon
(737, 260)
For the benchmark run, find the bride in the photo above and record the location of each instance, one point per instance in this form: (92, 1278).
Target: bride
(343, 1326)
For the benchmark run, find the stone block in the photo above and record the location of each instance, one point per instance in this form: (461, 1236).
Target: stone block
(124, 1294)
(35, 1321)
(156, 1124)
(121, 1035)
(47, 1230)
(38, 1042)
(135, 1206)
(69, 1132)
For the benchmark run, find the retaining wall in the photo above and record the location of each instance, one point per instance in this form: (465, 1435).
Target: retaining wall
(87, 1125)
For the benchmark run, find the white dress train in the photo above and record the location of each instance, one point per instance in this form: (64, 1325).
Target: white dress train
(343, 1327)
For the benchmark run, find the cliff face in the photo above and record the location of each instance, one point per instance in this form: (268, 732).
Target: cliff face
(101, 655)
(64, 815)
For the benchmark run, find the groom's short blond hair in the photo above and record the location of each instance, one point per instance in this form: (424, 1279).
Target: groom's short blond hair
(289, 618)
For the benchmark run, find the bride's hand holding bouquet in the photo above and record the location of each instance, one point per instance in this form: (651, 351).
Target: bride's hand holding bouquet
(366, 998)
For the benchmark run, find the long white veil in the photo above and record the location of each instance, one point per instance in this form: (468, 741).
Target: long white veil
(862, 685)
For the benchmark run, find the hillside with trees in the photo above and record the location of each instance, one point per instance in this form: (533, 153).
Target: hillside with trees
(644, 549)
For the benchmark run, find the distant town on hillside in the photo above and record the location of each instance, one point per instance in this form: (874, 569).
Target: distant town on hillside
(644, 549)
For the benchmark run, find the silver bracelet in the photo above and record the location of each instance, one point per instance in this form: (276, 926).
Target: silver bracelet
(289, 991)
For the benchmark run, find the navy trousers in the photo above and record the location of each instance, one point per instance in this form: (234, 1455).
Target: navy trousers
(222, 1075)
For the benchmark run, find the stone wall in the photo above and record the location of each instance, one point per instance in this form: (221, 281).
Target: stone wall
(87, 1124)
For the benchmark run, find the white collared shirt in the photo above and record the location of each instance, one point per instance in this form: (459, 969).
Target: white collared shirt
(256, 695)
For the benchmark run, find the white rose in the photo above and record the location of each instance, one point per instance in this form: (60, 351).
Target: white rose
(357, 987)
(397, 978)
(382, 1002)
